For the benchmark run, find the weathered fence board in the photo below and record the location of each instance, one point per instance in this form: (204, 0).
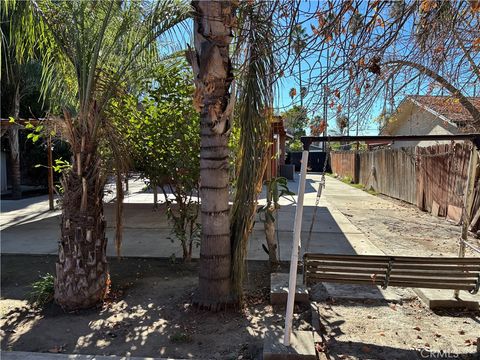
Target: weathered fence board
(390, 172)
(421, 176)
(343, 163)
(442, 172)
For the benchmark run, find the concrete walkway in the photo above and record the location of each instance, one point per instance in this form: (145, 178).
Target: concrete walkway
(27, 227)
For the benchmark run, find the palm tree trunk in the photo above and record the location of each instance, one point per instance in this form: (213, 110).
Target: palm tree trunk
(15, 148)
(15, 160)
(82, 278)
(212, 67)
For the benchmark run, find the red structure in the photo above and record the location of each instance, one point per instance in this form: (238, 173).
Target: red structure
(277, 149)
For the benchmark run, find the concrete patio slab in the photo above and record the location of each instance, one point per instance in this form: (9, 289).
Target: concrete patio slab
(361, 292)
(441, 299)
(279, 289)
(302, 346)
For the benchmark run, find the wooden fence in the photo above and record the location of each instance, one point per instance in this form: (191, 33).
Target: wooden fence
(442, 172)
(432, 178)
(344, 164)
(390, 172)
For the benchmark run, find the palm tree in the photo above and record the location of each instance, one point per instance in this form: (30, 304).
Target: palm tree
(92, 48)
(19, 77)
(213, 33)
(299, 43)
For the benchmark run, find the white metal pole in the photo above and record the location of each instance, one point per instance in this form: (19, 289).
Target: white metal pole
(297, 229)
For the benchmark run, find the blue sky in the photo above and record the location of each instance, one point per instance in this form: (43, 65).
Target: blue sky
(314, 99)
(314, 102)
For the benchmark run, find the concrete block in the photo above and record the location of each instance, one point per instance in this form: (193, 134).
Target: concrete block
(444, 299)
(454, 213)
(302, 346)
(279, 289)
(360, 292)
(435, 208)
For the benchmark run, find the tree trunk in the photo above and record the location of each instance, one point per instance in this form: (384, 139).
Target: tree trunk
(155, 195)
(15, 160)
(269, 227)
(82, 278)
(15, 148)
(212, 67)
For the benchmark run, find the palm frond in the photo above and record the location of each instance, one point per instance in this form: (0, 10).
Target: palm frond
(254, 111)
(90, 50)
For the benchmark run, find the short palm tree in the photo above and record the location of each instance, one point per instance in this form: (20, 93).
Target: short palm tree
(19, 78)
(90, 50)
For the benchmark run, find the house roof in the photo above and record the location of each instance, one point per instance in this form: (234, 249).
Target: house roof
(446, 106)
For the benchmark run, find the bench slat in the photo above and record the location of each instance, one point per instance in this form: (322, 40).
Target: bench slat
(418, 272)
(444, 267)
(383, 258)
(391, 283)
(413, 272)
(394, 278)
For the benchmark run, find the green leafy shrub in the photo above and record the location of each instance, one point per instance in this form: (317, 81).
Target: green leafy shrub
(42, 290)
(162, 130)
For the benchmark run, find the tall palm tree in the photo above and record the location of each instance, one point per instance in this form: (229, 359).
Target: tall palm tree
(298, 44)
(92, 48)
(213, 33)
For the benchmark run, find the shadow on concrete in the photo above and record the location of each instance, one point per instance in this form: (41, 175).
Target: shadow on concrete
(360, 350)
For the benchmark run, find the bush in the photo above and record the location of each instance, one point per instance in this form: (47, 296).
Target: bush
(42, 290)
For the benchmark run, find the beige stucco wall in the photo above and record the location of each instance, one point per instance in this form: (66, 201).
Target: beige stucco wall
(422, 122)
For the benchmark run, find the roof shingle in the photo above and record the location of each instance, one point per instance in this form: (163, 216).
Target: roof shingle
(447, 106)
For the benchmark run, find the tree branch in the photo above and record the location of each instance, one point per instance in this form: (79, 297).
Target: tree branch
(466, 103)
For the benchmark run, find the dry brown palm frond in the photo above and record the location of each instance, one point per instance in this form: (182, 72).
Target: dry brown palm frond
(255, 97)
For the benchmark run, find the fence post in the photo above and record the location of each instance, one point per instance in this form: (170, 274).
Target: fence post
(467, 203)
(356, 168)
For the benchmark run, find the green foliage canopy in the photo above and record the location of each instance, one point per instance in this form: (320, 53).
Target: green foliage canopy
(162, 128)
(296, 121)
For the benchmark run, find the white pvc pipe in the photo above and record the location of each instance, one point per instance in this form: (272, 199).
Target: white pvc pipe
(297, 229)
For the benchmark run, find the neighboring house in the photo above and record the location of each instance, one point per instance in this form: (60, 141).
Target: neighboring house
(428, 115)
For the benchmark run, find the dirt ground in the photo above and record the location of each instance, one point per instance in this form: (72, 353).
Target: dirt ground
(405, 329)
(400, 228)
(150, 314)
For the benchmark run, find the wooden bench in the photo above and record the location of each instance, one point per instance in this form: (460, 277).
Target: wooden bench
(402, 271)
